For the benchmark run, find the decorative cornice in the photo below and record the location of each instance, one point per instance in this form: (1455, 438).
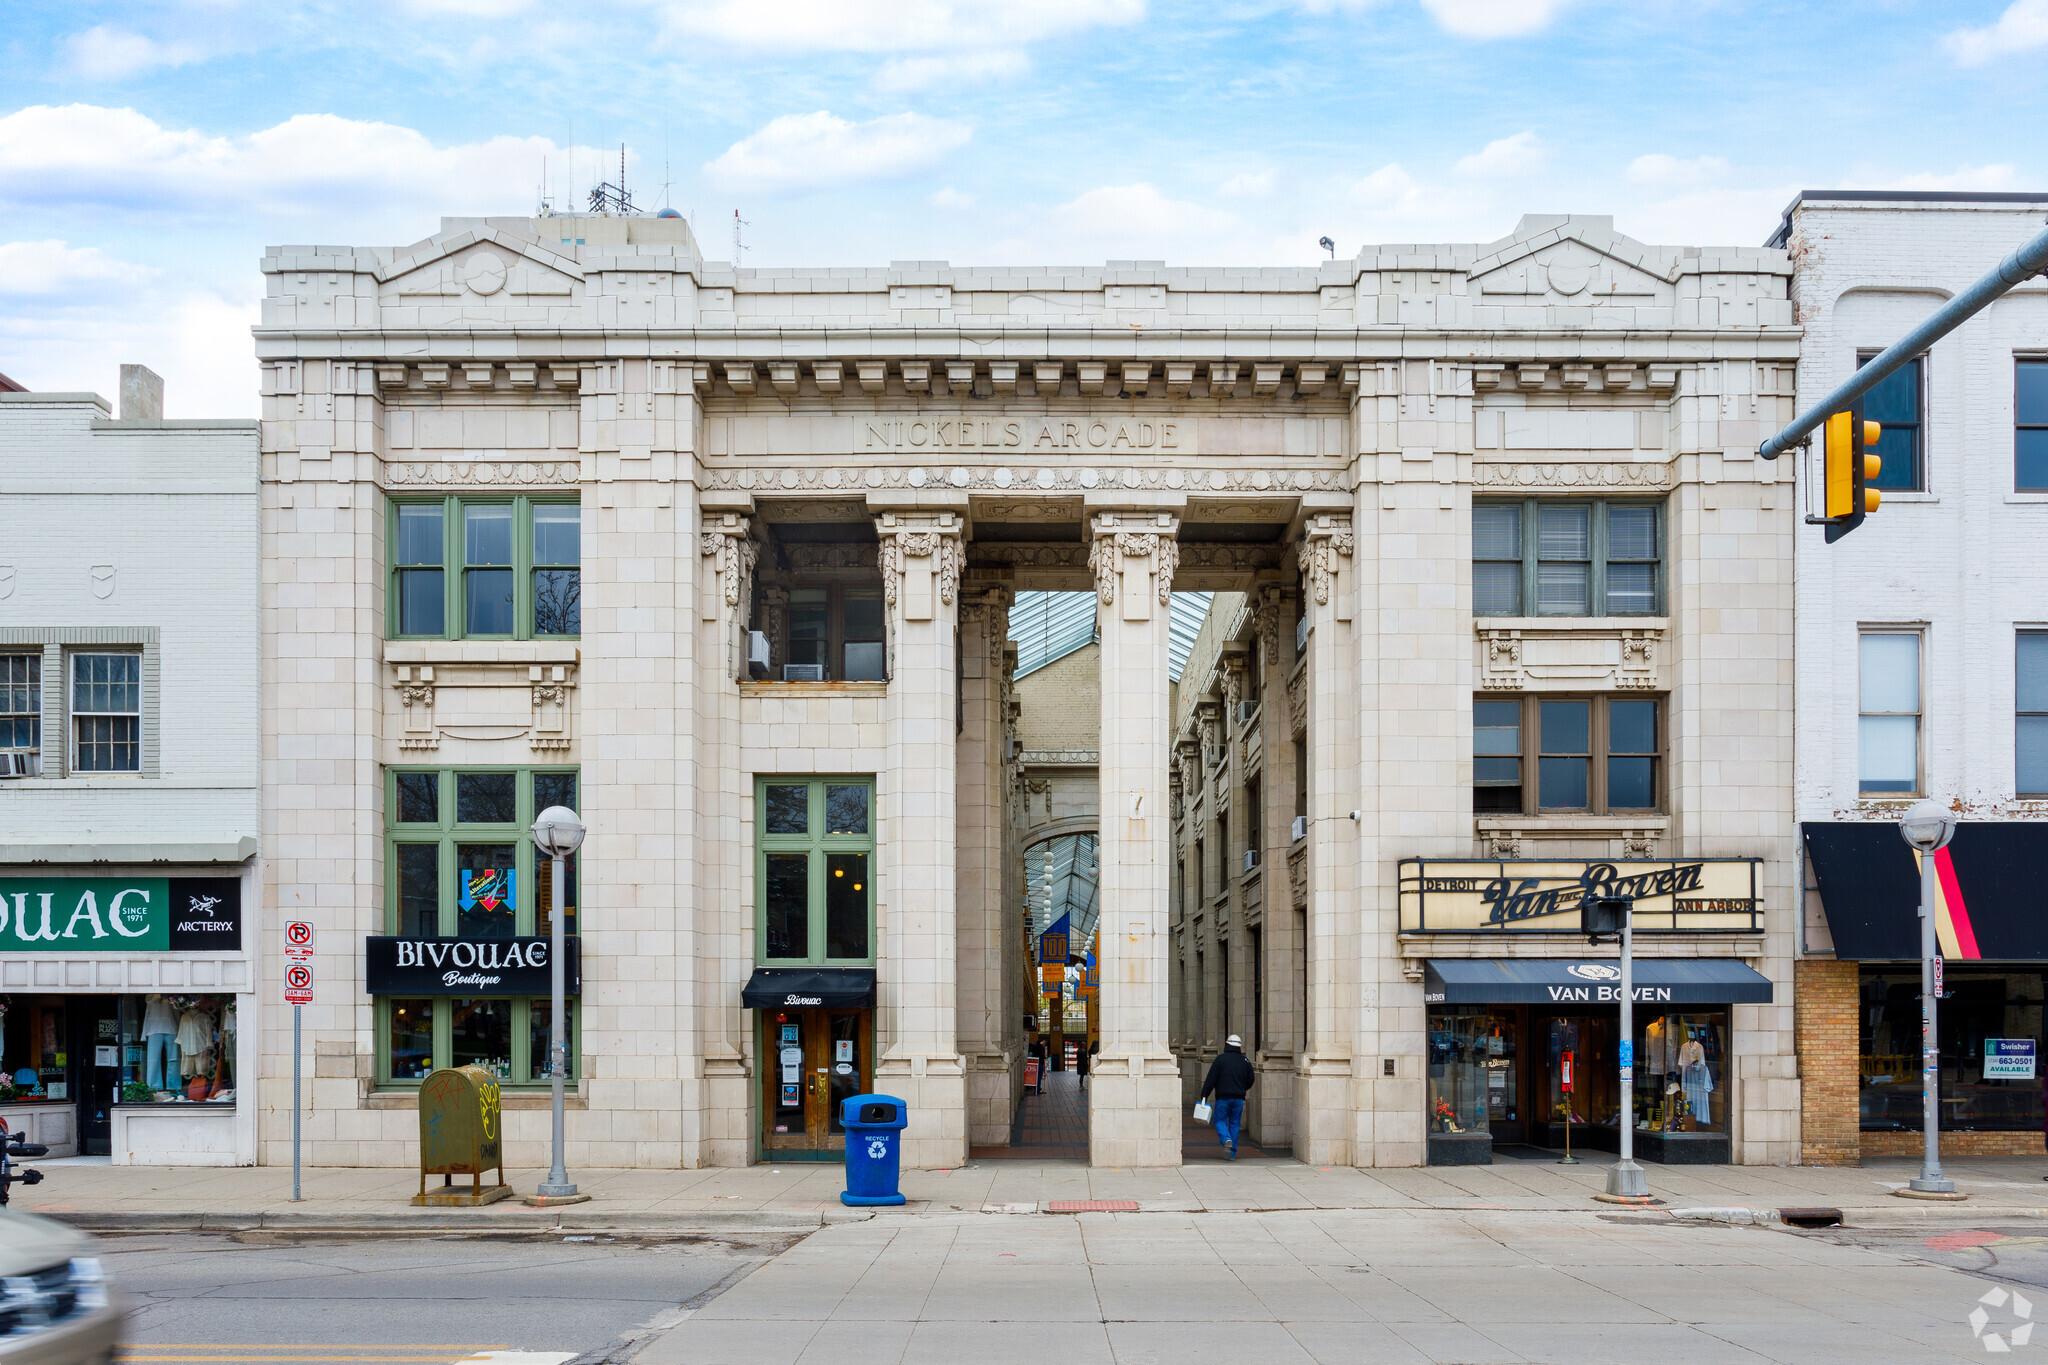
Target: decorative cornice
(1486, 474)
(1324, 540)
(484, 473)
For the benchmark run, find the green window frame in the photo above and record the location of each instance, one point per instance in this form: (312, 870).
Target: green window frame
(437, 821)
(1568, 557)
(484, 562)
(805, 872)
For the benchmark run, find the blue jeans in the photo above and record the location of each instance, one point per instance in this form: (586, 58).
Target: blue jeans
(1229, 1117)
(162, 1070)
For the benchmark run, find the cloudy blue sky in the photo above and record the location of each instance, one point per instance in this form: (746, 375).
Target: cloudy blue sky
(149, 152)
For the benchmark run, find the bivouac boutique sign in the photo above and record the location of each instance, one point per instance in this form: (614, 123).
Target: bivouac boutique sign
(1544, 896)
(120, 914)
(468, 966)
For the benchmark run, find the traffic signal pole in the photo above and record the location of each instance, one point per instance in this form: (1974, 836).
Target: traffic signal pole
(2029, 261)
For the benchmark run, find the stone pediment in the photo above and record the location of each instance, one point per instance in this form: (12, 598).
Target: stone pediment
(1575, 262)
(479, 264)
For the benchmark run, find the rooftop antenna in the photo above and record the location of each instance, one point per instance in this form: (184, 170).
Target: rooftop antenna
(738, 246)
(614, 200)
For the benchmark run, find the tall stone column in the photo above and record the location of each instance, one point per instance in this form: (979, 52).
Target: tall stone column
(1325, 1129)
(725, 927)
(1134, 1090)
(982, 803)
(917, 1030)
(1279, 941)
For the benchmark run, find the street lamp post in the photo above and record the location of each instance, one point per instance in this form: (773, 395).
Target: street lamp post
(557, 833)
(1614, 915)
(1927, 826)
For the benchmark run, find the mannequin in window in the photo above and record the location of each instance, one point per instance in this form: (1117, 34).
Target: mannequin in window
(1696, 1078)
(195, 1035)
(160, 1033)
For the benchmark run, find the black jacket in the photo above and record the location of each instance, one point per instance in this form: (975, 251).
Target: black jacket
(1230, 1076)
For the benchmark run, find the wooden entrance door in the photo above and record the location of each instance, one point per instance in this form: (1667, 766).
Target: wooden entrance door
(811, 1061)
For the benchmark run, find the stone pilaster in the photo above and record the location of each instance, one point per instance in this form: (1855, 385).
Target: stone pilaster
(917, 1029)
(1325, 1096)
(980, 801)
(1280, 936)
(1134, 1092)
(725, 925)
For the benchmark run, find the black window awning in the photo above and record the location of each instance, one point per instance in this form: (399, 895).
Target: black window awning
(804, 988)
(1592, 981)
(1990, 890)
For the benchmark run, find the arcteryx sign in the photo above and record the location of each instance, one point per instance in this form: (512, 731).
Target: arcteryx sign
(120, 914)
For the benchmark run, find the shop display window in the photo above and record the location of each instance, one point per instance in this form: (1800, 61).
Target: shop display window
(1981, 1007)
(480, 1034)
(1594, 1069)
(1680, 1086)
(505, 1035)
(1472, 1072)
(145, 1049)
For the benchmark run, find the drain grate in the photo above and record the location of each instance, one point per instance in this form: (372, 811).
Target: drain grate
(1092, 1206)
(1811, 1218)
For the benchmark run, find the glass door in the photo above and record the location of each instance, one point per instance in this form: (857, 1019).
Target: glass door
(812, 1060)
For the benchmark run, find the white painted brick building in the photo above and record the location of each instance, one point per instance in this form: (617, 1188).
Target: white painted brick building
(130, 675)
(1915, 640)
(530, 485)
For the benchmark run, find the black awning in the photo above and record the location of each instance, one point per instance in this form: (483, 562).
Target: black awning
(803, 988)
(1594, 981)
(1869, 887)
(1992, 895)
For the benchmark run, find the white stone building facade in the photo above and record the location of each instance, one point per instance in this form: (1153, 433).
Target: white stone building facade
(1920, 665)
(782, 700)
(129, 876)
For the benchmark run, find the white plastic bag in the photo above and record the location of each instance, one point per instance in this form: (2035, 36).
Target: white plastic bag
(1202, 1111)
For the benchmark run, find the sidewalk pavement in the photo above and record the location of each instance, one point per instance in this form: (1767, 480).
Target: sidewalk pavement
(807, 1195)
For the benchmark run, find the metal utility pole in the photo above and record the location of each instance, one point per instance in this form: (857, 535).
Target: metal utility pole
(2029, 261)
(557, 834)
(1927, 826)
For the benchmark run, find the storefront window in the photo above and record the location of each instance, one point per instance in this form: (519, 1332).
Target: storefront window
(814, 897)
(538, 1013)
(1679, 1083)
(481, 1035)
(1981, 1009)
(1588, 1044)
(412, 1039)
(1472, 1072)
(141, 1049)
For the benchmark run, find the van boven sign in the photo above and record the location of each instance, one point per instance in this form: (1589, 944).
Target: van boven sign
(120, 914)
(1544, 896)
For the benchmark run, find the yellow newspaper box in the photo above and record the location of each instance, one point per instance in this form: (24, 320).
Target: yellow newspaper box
(460, 1134)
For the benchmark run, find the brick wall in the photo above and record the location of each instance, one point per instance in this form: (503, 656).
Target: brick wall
(1060, 701)
(1953, 1144)
(1824, 1020)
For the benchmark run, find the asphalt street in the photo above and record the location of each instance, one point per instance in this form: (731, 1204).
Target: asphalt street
(531, 1299)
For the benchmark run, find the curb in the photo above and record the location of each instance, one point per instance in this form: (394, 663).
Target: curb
(438, 1221)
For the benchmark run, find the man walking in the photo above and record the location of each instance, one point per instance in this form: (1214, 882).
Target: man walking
(1230, 1079)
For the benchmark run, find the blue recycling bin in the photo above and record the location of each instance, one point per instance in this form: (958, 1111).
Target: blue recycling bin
(874, 1152)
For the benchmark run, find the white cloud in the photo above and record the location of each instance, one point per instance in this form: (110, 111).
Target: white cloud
(473, 9)
(952, 199)
(345, 172)
(893, 25)
(1661, 168)
(106, 53)
(805, 151)
(1725, 216)
(959, 71)
(1522, 154)
(1493, 18)
(1249, 184)
(53, 269)
(1995, 177)
(2022, 28)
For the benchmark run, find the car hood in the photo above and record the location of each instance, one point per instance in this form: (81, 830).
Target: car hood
(29, 1243)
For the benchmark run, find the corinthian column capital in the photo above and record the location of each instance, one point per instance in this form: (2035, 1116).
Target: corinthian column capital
(1133, 556)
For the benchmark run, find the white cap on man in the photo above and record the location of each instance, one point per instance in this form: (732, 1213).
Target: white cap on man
(1233, 1041)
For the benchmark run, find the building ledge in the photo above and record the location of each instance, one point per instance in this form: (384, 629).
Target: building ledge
(481, 651)
(814, 689)
(1565, 826)
(507, 1099)
(167, 851)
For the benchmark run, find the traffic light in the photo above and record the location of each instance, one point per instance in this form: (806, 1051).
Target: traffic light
(1851, 464)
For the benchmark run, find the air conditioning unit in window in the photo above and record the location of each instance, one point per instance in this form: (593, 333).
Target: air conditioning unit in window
(1251, 859)
(803, 672)
(1245, 711)
(757, 654)
(20, 763)
(1299, 830)
(1215, 756)
(864, 662)
(1301, 635)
